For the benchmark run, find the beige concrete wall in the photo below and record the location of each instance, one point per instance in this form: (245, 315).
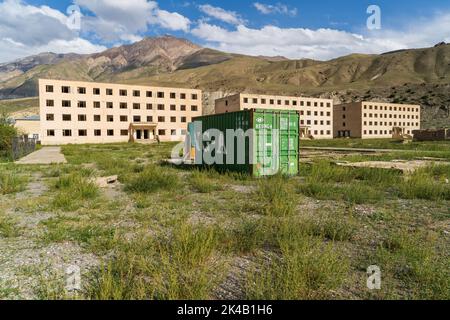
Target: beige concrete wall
(57, 111)
(373, 120)
(347, 119)
(31, 128)
(317, 114)
(378, 119)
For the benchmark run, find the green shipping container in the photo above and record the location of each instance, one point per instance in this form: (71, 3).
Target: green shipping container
(272, 146)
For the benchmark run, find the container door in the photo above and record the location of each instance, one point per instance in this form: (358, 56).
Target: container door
(289, 137)
(266, 144)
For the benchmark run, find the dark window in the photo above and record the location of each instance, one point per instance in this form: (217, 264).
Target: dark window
(194, 108)
(96, 104)
(149, 106)
(66, 117)
(109, 92)
(123, 105)
(160, 107)
(162, 132)
(161, 119)
(67, 133)
(81, 90)
(173, 119)
(136, 118)
(173, 95)
(50, 117)
(123, 93)
(51, 133)
(183, 119)
(173, 107)
(160, 94)
(109, 118)
(149, 119)
(65, 89)
(81, 117)
(123, 118)
(136, 106)
(194, 96)
(149, 94)
(66, 103)
(97, 132)
(255, 100)
(183, 108)
(82, 133)
(123, 132)
(48, 88)
(173, 132)
(136, 93)
(50, 103)
(97, 117)
(96, 91)
(183, 96)
(110, 132)
(81, 104)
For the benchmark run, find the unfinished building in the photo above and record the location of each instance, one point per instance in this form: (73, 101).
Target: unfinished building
(316, 115)
(372, 120)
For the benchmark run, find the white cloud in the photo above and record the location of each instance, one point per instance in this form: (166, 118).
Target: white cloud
(27, 30)
(124, 20)
(278, 8)
(322, 44)
(230, 17)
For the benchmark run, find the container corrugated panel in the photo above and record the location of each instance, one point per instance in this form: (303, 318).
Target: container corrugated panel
(272, 151)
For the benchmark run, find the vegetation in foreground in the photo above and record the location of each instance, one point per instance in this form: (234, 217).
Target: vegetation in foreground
(170, 233)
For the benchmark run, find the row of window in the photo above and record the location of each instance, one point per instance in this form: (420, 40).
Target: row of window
(109, 132)
(385, 132)
(122, 105)
(110, 118)
(390, 116)
(286, 102)
(316, 113)
(122, 92)
(316, 122)
(386, 124)
(409, 124)
(321, 132)
(386, 108)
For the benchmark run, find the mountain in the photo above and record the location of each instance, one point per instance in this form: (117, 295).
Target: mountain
(419, 76)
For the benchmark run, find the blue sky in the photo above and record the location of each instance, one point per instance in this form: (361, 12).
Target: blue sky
(296, 29)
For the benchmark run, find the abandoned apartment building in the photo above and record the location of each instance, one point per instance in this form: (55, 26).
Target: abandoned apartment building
(316, 115)
(73, 112)
(371, 120)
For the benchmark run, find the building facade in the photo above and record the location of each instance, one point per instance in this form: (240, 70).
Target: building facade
(372, 120)
(316, 115)
(29, 126)
(74, 112)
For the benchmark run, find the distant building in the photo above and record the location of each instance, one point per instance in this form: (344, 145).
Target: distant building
(74, 112)
(371, 120)
(29, 126)
(316, 115)
(432, 134)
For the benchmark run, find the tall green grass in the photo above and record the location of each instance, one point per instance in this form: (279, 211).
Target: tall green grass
(276, 196)
(153, 179)
(177, 266)
(414, 259)
(11, 182)
(203, 182)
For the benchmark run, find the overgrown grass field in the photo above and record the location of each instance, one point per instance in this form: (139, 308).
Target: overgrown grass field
(177, 233)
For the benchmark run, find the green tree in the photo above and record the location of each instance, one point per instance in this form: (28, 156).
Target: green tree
(7, 132)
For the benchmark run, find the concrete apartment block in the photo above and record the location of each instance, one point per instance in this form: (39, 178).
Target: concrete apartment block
(74, 112)
(316, 115)
(371, 120)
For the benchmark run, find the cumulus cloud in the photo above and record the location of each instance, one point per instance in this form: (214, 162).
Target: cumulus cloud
(278, 8)
(115, 20)
(230, 17)
(27, 30)
(321, 43)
